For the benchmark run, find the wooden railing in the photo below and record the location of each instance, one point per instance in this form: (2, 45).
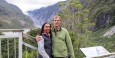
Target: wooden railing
(20, 35)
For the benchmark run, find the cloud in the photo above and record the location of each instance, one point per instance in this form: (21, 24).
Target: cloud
(26, 5)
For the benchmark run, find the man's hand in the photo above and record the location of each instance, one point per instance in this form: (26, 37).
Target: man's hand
(38, 38)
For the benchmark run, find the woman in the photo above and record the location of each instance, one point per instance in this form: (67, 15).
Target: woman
(45, 44)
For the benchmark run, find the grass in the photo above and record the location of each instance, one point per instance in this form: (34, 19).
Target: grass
(97, 39)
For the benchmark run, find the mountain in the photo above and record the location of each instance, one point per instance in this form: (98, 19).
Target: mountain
(44, 14)
(12, 17)
(101, 11)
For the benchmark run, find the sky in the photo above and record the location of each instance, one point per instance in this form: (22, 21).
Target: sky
(27, 5)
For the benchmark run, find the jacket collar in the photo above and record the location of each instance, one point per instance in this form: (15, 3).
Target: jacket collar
(60, 28)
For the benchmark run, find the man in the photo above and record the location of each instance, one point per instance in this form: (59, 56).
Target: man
(61, 41)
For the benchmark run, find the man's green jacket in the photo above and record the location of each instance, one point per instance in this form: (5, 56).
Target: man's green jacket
(61, 43)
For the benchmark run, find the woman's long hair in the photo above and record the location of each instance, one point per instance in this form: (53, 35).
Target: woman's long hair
(42, 29)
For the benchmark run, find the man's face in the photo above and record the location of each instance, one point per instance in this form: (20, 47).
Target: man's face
(56, 21)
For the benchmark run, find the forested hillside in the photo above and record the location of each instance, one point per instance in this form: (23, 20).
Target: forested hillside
(87, 21)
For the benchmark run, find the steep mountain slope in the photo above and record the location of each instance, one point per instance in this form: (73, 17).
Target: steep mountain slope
(44, 14)
(102, 12)
(12, 17)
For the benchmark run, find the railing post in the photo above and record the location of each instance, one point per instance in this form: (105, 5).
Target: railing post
(20, 45)
(8, 47)
(0, 48)
(14, 48)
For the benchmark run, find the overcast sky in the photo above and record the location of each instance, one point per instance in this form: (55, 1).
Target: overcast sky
(26, 5)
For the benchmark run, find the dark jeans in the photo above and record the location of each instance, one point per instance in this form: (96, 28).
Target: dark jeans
(60, 57)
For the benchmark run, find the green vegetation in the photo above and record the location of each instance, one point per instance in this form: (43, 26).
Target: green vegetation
(80, 20)
(100, 9)
(4, 45)
(78, 26)
(32, 54)
(27, 52)
(98, 39)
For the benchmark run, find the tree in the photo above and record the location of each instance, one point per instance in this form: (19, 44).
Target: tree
(75, 18)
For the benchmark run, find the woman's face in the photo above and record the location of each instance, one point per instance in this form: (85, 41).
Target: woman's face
(47, 28)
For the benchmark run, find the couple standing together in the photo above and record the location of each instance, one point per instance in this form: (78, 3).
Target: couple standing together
(54, 42)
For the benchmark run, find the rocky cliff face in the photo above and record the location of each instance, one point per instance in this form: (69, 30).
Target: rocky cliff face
(105, 19)
(101, 11)
(12, 17)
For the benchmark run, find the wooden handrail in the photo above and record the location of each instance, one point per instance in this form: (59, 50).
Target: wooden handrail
(11, 30)
(29, 37)
(30, 46)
